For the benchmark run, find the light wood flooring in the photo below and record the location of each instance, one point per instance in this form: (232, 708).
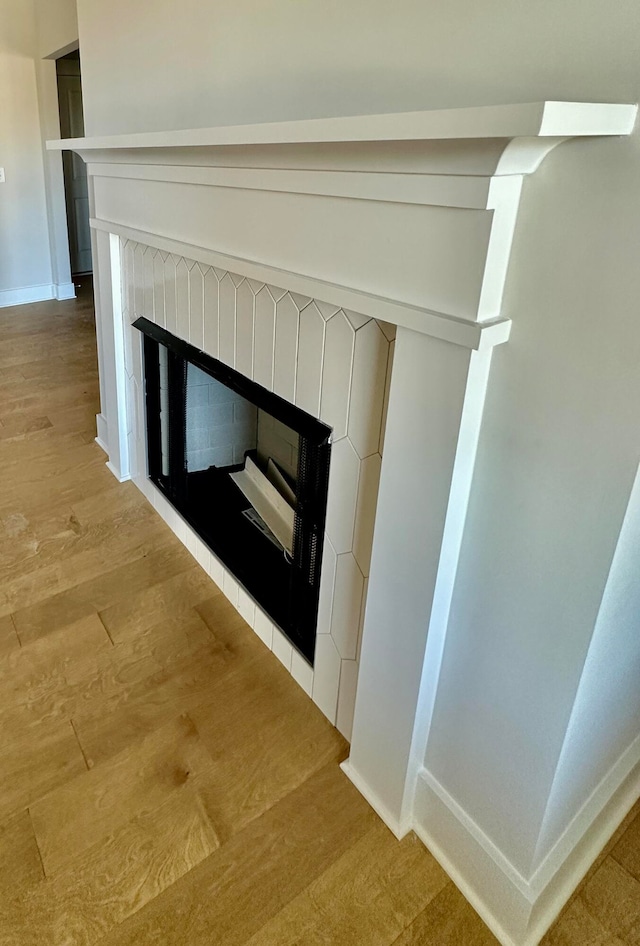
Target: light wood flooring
(162, 778)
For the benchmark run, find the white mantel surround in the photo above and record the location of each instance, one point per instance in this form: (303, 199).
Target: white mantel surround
(406, 219)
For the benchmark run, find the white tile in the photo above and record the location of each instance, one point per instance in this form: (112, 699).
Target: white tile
(282, 648)
(336, 374)
(366, 510)
(301, 301)
(387, 329)
(387, 387)
(203, 555)
(180, 528)
(170, 264)
(211, 313)
(158, 289)
(286, 348)
(327, 585)
(327, 309)
(136, 353)
(190, 539)
(244, 330)
(347, 604)
(196, 307)
(170, 516)
(127, 343)
(276, 291)
(363, 610)
(356, 319)
(347, 697)
(144, 485)
(370, 359)
(236, 278)
(246, 607)
(182, 300)
(263, 627)
(164, 508)
(230, 588)
(310, 355)
(255, 285)
(147, 309)
(344, 472)
(227, 321)
(326, 676)
(216, 571)
(127, 249)
(301, 672)
(138, 287)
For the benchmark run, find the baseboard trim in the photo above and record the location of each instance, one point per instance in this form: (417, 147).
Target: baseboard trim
(399, 829)
(593, 817)
(27, 295)
(102, 433)
(520, 910)
(121, 479)
(65, 290)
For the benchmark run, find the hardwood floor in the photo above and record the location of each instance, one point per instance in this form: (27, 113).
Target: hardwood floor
(163, 780)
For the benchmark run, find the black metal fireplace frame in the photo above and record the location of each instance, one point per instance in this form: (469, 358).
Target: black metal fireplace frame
(300, 580)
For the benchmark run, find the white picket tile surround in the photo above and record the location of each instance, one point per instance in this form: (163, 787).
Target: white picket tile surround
(331, 363)
(404, 219)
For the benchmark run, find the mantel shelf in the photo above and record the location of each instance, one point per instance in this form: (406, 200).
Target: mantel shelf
(531, 120)
(436, 193)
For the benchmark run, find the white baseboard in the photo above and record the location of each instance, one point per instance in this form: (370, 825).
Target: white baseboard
(516, 909)
(121, 479)
(397, 828)
(65, 290)
(9, 297)
(102, 433)
(29, 294)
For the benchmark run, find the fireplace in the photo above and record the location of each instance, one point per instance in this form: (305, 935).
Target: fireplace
(246, 469)
(318, 370)
(355, 268)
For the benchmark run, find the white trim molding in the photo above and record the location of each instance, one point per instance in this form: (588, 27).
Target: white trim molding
(518, 909)
(530, 120)
(31, 294)
(489, 150)
(64, 291)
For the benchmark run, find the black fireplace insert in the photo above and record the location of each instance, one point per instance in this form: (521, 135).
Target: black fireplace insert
(246, 469)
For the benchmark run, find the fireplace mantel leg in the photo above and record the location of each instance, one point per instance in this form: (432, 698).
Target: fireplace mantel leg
(113, 422)
(435, 410)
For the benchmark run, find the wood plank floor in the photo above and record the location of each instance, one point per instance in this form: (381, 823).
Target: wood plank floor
(163, 780)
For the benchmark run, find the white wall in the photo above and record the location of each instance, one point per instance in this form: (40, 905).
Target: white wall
(608, 699)
(560, 443)
(25, 260)
(57, 27)
(558, 456)
(239, 60)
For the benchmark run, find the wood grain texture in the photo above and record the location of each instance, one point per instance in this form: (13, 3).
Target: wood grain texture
(8, 635)
(93, 806)
(20, 864)
(163, 780)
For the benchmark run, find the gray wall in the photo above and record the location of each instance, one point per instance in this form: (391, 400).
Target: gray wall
(25, 259)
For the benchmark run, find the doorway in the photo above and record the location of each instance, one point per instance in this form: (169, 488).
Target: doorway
(74, 169)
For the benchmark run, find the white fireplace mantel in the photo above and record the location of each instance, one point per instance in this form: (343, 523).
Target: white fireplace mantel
(407, 219)
(468, 159)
